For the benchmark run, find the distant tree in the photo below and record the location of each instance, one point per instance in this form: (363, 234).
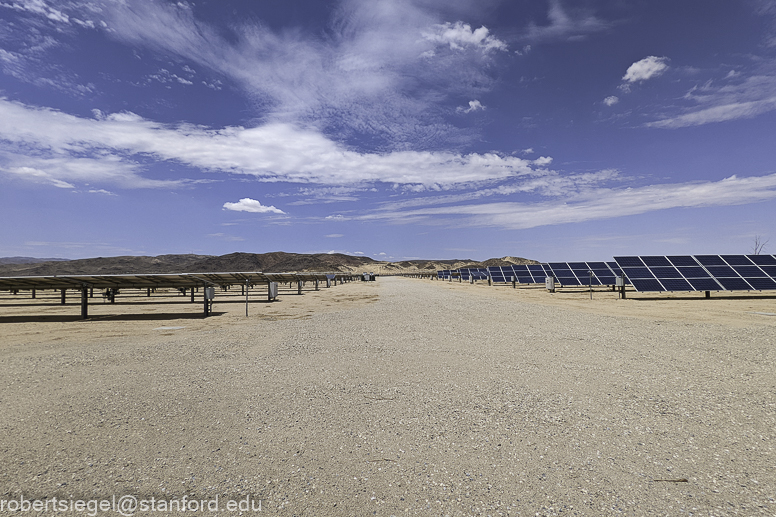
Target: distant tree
(758, 245)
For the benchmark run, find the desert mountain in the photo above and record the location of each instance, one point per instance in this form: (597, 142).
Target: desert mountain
(274, 262)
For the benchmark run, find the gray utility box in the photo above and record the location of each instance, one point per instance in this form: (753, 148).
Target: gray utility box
(210, 293)
(549, 283)
(619, 281)
(273, 290)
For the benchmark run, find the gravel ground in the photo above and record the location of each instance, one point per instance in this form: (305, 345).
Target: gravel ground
(401, 397)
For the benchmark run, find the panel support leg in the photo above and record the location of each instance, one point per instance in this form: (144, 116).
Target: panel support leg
(84, 302)
(63, 296)
(33, 294)
(708, 294)
(299, 287)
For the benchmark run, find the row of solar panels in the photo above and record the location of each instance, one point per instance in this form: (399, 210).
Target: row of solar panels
(644, 273)
(700, 272)
(565, 273)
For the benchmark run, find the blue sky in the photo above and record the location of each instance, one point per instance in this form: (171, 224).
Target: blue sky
(548, 129)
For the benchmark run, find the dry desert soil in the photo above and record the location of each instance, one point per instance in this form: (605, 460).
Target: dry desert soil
(395, 397)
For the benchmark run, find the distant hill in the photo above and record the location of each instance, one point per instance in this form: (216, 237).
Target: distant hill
(274, 262)
(27, 260)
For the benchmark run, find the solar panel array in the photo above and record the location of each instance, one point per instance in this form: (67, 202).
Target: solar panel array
(476, 273)
(582, 273)
(700, 272)
(522, 273)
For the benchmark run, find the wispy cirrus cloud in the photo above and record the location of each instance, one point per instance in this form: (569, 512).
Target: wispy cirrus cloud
(733, 97)
(384, 70)
(590, 204)
(58, 144)
(565, 26)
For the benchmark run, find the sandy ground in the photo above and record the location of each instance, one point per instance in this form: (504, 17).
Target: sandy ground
(395, 397)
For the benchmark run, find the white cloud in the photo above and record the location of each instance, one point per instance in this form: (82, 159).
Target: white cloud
(598, 203)
(611, 100)
(247, 204)
(647, 68)
(272, 152)
(459, 36)
(474, 105)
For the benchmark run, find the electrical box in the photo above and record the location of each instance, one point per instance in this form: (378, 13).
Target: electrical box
(210, 293)
(273, 290)
(549, 283)
(619, 281)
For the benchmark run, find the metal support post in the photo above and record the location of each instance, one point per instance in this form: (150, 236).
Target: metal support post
(84, 302)
(33, 293)
(63, 296)
(298, 287)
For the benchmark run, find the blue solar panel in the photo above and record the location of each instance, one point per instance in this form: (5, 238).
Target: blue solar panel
(771, 270)
(525, 280)
(704, 284)
(666, 272)
(734, 284)
(693, 272)
(676, 284)
(682, 260)
(629, 261)
(701, 272)
(749, 271)
(646, 284)
(722, 271)
(736, 260)
(637, 272)
(763, 260)
(578, 265)
(710, 260)
(655, 261)
(762, 284)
